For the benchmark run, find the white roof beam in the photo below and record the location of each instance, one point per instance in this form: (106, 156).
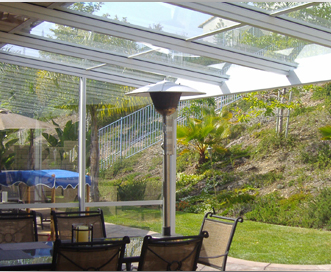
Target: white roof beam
(214, 32)
(281, 24)
(70, 70)
(102, 56)
(126, 31)
(294, 8)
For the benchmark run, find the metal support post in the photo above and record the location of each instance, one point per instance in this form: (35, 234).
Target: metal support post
(82, 143)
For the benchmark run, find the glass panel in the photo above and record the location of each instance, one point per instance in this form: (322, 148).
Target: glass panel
(318, 14)
(146, 219)
(180, 59)
(128, 48)
(272, 6)
(77, 62)
(37, 154)
(58, 58)
(154, 15)
(259, 42)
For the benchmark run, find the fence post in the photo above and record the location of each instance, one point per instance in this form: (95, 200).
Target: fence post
(121, 130)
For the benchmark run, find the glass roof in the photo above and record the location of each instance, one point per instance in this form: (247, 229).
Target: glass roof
(185, 23)
(318, 15)
(273, 6)
(257, 41)
(123, 47)
(145, 42)
(77, 62)
(158, 16)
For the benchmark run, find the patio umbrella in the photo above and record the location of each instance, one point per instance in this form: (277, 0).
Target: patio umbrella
(165, 96)
(9, 120)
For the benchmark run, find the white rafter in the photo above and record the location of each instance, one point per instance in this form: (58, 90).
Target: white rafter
(99, 55)
(127, 31)
(279, 24)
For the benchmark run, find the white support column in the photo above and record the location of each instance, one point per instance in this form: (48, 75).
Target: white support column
(82, 143)
(172, 121)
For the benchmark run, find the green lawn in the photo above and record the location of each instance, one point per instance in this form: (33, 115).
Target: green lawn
(252, 241)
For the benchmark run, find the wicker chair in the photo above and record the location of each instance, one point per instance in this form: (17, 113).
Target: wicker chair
(215, 249)
(171, 253)
(63, 223)
(18, 227)
(101, 255)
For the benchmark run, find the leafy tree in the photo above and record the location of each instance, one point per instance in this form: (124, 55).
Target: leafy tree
(194, 108)
(210, 130)
(69, 133)
(6, 158)
(261, 103)
(98, 107)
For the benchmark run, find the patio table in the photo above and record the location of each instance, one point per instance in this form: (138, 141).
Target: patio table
(26, 256)
(38, 255)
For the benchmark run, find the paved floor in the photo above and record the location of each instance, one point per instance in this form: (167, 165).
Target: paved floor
(233, 264)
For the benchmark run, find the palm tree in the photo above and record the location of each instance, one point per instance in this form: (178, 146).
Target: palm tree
(210, 130)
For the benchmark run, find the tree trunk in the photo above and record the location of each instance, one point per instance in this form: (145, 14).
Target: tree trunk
(202, 158)
(94, 155)
(281, 113)
(30, 165)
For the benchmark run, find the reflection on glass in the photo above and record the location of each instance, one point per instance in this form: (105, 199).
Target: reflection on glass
(154, 15)
(130, 49)
(146, 219)
(44, 96)
(273, 6)
(258, 42)
(318, 14)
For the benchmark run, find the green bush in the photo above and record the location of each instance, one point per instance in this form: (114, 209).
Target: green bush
(235, 203)
(185, 159)
(274, 209)
(318, 213)
(261, 180)
(270, 141)
(317, 154)
(132, 189)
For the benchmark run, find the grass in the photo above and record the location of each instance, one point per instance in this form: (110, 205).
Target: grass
(253, 241)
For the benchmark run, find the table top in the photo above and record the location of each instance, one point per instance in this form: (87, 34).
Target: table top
(32, 254)
(38, 255)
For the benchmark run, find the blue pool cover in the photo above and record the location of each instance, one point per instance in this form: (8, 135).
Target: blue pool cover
(53, 178)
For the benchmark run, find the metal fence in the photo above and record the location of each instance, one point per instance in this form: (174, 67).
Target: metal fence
(139, 130)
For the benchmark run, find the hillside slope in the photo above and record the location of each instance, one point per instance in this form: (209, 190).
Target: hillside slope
(258, 161)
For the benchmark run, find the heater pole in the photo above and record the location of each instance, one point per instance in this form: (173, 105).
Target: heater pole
(166, 182)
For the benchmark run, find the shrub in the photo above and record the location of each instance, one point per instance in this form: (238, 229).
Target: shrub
(274, 209)
(317, 154)
(318, 213)
(132, 189)
(261, 180)
(270, 141)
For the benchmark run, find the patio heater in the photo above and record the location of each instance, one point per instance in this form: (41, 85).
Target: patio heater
(165, 96)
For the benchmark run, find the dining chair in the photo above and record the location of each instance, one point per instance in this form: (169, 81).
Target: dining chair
(18, 227)
(100, 255)
(171, 253)
(63, 222)
(215, 249)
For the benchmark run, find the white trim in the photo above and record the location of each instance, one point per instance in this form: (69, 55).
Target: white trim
(110, 58)
(125, 203)
(82, 143)
(282, 24)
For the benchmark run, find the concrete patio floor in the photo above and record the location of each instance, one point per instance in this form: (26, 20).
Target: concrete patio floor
(233, 264)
